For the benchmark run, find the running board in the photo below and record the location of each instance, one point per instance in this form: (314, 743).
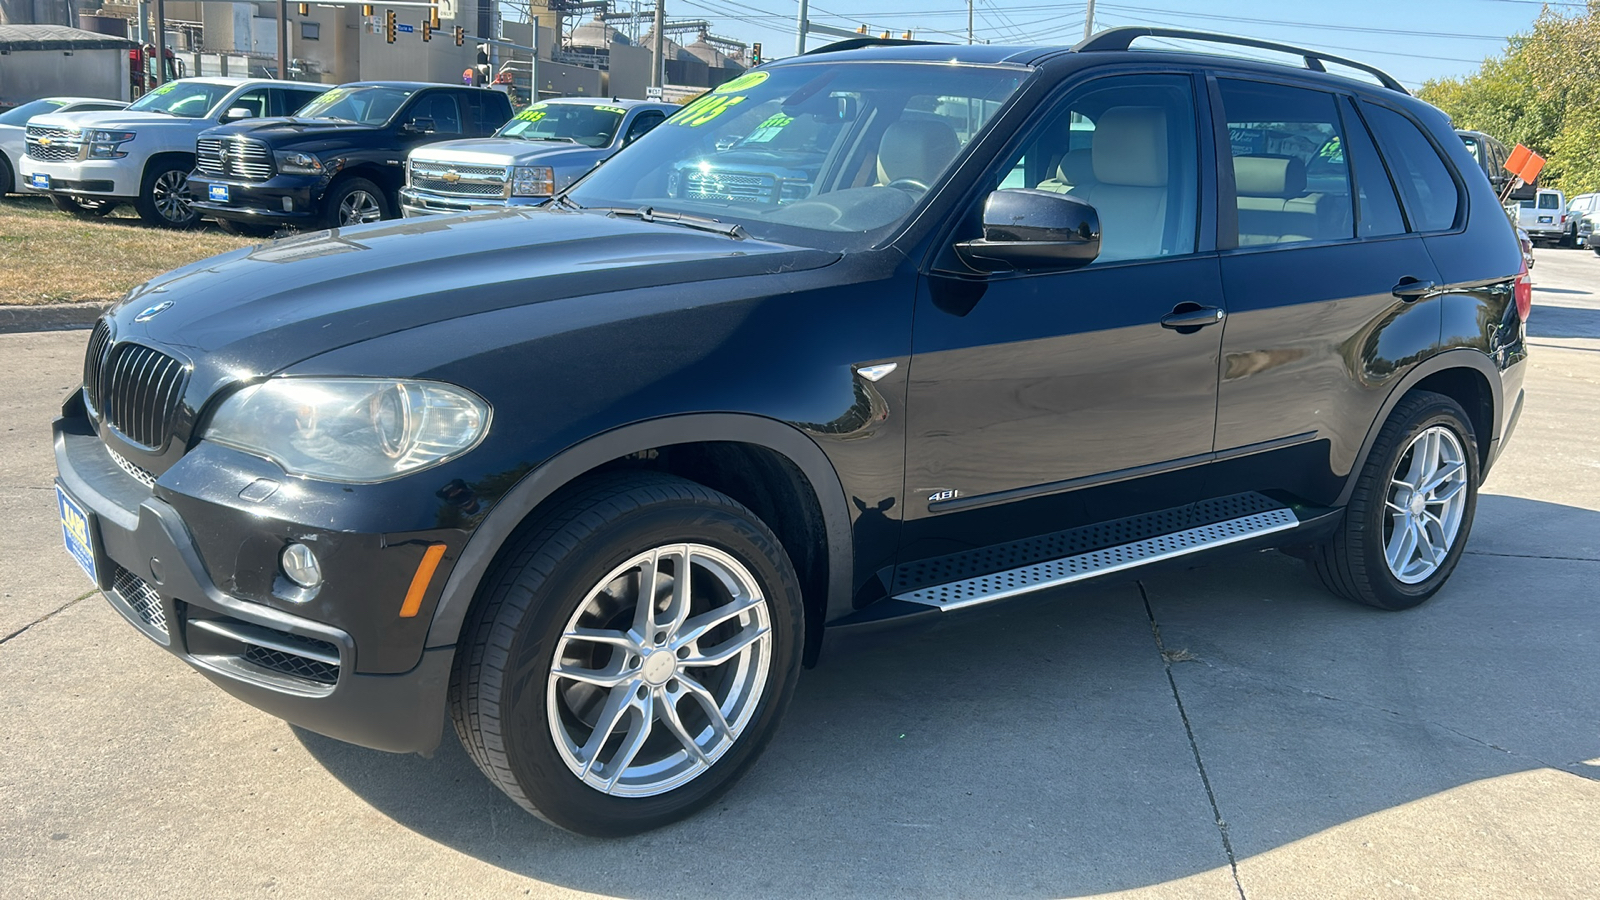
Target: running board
(1036, 577)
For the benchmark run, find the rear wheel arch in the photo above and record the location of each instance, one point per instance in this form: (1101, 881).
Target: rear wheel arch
(1467, 376)
(775, 455)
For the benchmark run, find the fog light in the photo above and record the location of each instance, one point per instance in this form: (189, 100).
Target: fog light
(300, 564)
(288, 204)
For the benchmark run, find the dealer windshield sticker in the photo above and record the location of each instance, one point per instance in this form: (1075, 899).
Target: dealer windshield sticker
(769, 129)
(707, 107)
(613, 109)
(742, 83)
(164, 88)
(532, 113)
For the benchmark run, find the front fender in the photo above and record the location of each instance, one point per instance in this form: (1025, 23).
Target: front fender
(538, 485)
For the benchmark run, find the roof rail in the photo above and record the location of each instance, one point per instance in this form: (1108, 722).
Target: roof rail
(1120, 38)
(858, 43)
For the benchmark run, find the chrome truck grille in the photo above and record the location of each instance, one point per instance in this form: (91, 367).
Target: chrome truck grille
(234, 157)
(452, 180)
(52, 144)
(728, 186)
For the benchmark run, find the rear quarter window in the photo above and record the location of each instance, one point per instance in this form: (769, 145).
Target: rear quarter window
(1431, 196)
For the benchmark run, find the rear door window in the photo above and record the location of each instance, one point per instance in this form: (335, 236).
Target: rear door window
(1431, 196)
(1377, 208)
(1549, 201)
(441, 108)
(1290, 162)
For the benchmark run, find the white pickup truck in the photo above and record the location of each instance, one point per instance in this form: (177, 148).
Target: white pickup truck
(89, 162)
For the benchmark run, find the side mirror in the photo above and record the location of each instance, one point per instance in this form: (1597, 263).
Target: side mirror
(419, 126)
(237, 113)
(726, 143)
(1028, 229)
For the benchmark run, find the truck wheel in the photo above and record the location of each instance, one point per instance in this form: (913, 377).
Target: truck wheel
(164, 197)
(246, 229)
(1411, 511)
(355, 201)
(8, 177)
(84, 208)
(630, 656)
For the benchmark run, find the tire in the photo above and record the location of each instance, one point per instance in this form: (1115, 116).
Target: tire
(83, 208)
(8, 177)
(164, 197)
(531, 731)
(1355, 562)
(246, 229)
(356, 201)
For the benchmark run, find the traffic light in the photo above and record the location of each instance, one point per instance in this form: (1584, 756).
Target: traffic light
(366, 10)
(388, 25)
(433, 18)
(427, 30)
(755, 54)
(461, 35)
(906, 36)
(305, 9)
(861, 30)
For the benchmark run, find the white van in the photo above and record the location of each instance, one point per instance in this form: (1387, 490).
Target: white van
(1544, 217)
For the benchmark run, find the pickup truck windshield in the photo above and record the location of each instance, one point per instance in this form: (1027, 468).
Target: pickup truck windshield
(366, 105)
(186, 99)
(592, 126)
(797, 152)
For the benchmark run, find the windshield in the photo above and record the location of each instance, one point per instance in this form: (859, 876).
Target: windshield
(366, 105)
(592, 126)
(186, 99)
(26, 111)
(799, 150)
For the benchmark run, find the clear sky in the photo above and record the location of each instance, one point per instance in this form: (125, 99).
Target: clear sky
(1411, 39)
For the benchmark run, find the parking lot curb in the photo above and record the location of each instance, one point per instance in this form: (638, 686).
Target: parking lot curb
(57, 317)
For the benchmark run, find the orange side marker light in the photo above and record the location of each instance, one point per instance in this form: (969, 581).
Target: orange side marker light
(419, 581)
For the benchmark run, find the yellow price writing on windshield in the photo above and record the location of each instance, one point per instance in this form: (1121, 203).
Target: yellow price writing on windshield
(704, 110)
(531, 115)
(616, 109)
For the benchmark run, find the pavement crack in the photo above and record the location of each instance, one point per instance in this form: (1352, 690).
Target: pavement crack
(1531, 556)
(52, 614)
(1194, 746)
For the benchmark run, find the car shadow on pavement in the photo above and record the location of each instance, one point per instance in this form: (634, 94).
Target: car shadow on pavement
(1042, 752)
(1563, 322)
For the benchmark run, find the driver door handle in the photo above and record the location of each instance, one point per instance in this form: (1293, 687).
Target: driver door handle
(1193, 317)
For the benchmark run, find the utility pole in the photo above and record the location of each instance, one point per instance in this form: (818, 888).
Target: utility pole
(969, 21)
(800, 30)
(283, 39)
(161, 47)
(1088, 22)
(658, 74)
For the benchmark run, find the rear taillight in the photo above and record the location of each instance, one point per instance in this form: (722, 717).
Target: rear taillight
(1522, 292)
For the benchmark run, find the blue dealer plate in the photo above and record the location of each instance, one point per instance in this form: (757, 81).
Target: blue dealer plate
(40, 181)
(1547, 220)
(78, 531)
(219, 193)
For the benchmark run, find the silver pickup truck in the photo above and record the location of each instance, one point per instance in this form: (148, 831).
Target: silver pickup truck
(540, 151)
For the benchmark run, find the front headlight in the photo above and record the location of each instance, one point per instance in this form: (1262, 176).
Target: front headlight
(533, 181)
(107, 144)
(351, 429)
(297, 163)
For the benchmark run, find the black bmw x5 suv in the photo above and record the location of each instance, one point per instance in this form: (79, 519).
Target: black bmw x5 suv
(596, 480)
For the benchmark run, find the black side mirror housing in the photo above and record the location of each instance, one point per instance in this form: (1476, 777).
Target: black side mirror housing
(419, 126)
(1034, 230)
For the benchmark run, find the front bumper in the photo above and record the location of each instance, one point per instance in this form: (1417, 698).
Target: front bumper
(281, 198)
(85, 177)
(422, 203)
(151, 570)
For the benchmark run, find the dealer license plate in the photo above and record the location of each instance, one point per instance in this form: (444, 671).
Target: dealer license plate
(1546, 220)
(77, 528)
(40, 181)
(219, 193)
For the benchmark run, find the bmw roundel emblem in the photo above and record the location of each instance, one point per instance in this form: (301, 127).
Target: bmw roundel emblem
(153, 311)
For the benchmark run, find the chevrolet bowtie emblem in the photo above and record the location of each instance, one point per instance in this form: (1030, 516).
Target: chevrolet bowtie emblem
(451, 177)
(44, 142)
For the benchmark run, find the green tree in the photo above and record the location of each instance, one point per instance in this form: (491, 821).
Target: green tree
(1543, 91)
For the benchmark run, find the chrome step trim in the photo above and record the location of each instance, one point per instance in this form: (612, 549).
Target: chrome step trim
(248, 634)
(1011, 582)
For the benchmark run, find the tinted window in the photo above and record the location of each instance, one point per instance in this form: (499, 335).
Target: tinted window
(255, 101)
(1291, 175)
(1430, 194)
(1549, 201)
(1377, 209)
(1125, 145)
(291, 99)
(441, 108)
(642, 123)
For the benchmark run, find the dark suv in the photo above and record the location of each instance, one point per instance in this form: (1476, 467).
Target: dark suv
(596, 479)
(339, 161)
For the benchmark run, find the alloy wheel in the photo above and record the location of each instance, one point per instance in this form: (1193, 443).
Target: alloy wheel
(359, 207)
(171, 195)
(1426, 499)
(659, 671)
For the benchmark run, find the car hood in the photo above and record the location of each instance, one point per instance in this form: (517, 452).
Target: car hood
(256, 311)
(113, 120)
(284, 131)
(508, 151)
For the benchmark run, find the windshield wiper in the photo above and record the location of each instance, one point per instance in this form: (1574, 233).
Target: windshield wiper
(563, 140)
(698, 223)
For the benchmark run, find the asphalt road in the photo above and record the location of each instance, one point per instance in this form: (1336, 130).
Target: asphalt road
(1286, 745)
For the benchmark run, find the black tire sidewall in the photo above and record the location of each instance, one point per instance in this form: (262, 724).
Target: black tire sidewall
(1388, 591)
(530, 749)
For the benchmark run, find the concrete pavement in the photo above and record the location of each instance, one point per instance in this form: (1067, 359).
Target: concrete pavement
(1286, 745)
